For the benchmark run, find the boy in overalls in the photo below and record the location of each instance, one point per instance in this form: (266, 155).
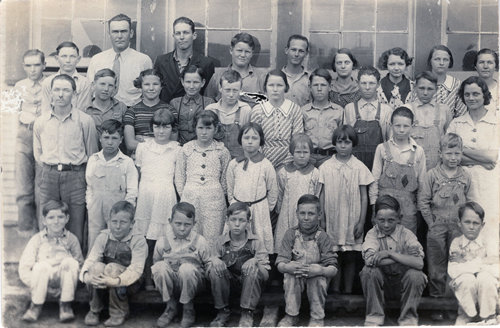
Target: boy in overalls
(393, 266)
(180, 258)
(307, 260)
(240, 262)
(232, 112)
(399, 167)
(114, 265)
(445, 188)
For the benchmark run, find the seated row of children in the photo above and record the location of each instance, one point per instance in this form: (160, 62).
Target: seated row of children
(238, 264)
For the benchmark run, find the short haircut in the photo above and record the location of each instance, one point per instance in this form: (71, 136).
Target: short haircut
(105, 72)
(119, 18)
(481, 83)
(450, 140)
(52, 205)
(163, 117)
(404, 112)
(400, 52)
(252, 126)
(300, 138)
(486, 51)
(309, 199)
(428, 75)
(345, 132)
(151, 71)
(387, 202)
(193, 69)
(442, 48)
(185, 208)
(472, 206)
(34, 52)
(321, 72)
(369, 70)
(123, 206)
(276, 72)
(67, 44)
(297, 37)
(230, 76)
(64, 77)
(238, 207)
(184, 20)
(207, 118)
(347, 52)
(112, 126)
(243, 37)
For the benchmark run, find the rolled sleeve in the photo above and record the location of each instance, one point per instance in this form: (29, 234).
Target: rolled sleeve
(96, 253)
(370, 246)
(285, 251)
(327, 256)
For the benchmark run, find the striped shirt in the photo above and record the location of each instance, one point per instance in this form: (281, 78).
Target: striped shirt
(140, 115)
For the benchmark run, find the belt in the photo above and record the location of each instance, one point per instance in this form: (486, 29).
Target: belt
(324, 152)
(66, 167)
(251, 203)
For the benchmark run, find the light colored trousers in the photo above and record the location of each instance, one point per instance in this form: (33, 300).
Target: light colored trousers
(187, 281)
(316, 293)
(478, 289)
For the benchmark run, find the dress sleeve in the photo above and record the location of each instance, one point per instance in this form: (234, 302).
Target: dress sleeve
(272, 186)
(230, 180)
(225, 158)
(281, 188)
(180, 172)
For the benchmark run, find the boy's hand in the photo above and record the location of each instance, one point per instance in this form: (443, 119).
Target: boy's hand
(108, 281)
(249, 267)
(219, 267)
(379, 256)
(488, 166)
(297, 268)
(93, 280)
(315, 270)
(139, 138)
(359, 228)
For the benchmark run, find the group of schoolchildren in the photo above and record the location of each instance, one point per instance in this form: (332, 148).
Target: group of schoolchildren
(202, 192)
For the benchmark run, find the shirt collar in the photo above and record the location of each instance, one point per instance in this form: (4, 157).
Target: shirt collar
(296, 76)
(70, 114)
(117, 157)
(393, 235)
(215, 145)
(419, 103)
(196, 99)
(233, 110)
(285, 108)
(46, 233)
(478, 241)
(75, 74)
(310, 106)
(113, 103)
(227, 236)
(448, 82)
(362, 103)
(489, 118)
(171, 235)
(124, 239)
(122, 53)
(291, 167)
(250, 69)
(177, 58)
(258, 157)
(412, 145)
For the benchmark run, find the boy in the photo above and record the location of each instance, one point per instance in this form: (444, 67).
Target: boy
(116, 262)
(393, 265)
(232, 113)
(297, 48)
(104, 106)
(50, 263)
(399, 167)
(111, 177)
(368, 116)
(241, 261)
(68, 56)
(473, 268)
(445, 188)
(180, 258)
(307, 260)
(30, 92)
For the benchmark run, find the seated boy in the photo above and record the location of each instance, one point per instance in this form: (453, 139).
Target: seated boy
(240, 261)
(473, 268)
(307, 260)
(115, 262)
(50, 263)
(393, 265)
(111, 177)
(180, 258)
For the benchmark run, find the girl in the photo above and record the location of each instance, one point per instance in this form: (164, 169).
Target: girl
(345, 201)
(251, 179)
(344, 88)
(395, 88)
(136, 121)
(191, 103)
(200, 175)
(486, 64)
(280, 118)
(294, 180)
(155, 159)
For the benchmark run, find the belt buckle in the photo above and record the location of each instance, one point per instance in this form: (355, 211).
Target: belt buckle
(59, 167)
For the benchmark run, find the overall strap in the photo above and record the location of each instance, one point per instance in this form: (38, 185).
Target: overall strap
(388, 151)
(377, 116)
(356, 110)
(179, 111)
(237, 117)
(437, 116)
(411, 160)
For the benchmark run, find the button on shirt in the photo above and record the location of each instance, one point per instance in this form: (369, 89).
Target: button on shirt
(70, 140)
(132, 63)
(81, 100)
(480, 135)
(31, 97)
(368, 111)
(319, 123)
(299, 91)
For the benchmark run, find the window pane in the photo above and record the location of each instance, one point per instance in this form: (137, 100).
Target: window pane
(56, 8)
(388, 41)
(463, 15)
(361, 45)
(222, 13)
(54, 31)
(199, 43)
(89, 36)
(89, 9)
(256, 14)
(194, 9)
(325, 15)
(323, 47)
(127, 7)
(359, 15)
(218, 45)
(463, 47)
(490, 41)
(262, 54)
(489, 16)
(392, 15)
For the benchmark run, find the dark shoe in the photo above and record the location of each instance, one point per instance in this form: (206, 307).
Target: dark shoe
(65, 312)
(167, 316)
(316, 323)
(246, 319)
(288, 321)
(33, 312)
(188, 317)
(91, 319)
(222, 318)
(114, 321)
